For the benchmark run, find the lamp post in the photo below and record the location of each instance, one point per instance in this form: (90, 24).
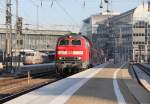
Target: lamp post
(8, 41)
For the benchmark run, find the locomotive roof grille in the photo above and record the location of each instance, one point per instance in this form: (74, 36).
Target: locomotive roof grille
(72, 36)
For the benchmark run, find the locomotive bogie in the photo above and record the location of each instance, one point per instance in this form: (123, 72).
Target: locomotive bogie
(68, 64)
(70, 67)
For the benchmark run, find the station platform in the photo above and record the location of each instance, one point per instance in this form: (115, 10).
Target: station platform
(103, 84)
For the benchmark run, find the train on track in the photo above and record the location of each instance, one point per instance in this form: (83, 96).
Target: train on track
(35, 57)
(75, 52)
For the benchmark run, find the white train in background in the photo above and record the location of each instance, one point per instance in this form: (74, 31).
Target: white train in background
(34, 57)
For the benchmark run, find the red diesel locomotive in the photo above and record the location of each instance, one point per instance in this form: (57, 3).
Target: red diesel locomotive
(75, 52)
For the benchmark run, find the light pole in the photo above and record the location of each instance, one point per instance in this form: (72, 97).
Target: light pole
(18, 31)
(8, 41)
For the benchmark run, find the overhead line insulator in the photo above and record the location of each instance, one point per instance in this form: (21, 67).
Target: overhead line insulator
(106, 1)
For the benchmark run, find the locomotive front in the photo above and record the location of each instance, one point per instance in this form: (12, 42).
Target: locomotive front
(70, 53)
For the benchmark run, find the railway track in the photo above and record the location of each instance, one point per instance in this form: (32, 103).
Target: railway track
(11, 88)
(19, 85)
(144, 68)
(142, 75)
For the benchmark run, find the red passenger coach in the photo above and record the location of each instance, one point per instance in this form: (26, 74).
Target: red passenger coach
(73, 52)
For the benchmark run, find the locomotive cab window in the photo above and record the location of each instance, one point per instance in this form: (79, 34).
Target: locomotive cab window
(64, 42)
(76, 42)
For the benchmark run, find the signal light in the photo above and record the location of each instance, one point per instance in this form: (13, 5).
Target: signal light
(79, 58)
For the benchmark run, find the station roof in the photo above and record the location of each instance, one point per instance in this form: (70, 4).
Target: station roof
(39, 32)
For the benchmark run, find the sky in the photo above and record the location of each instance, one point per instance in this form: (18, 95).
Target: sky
(62, 12)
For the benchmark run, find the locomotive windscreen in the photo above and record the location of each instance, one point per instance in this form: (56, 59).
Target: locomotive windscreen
(76, 42)
(64, 42)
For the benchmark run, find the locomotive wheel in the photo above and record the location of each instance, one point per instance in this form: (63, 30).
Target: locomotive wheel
(90, 66)
(75, 70)
(64, 72)
(57, 72)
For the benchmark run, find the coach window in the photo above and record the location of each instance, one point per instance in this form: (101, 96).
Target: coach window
(76, 42)
(64, 42)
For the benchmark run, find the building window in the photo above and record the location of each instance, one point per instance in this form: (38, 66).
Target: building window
(141, 47)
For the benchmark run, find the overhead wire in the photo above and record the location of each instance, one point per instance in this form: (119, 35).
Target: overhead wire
(52, 2)
(84, 3)
(26, 13)
(2, 5)
(34, 3)
(58, 3)
(66, 12)
(3, 11)
(62, 8)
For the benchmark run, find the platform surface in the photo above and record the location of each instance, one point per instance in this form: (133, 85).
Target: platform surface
(103, 84)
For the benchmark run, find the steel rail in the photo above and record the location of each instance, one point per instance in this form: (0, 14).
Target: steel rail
(144, 68)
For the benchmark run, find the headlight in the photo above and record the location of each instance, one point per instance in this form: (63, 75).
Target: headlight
(60, 58)
(79, 58)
